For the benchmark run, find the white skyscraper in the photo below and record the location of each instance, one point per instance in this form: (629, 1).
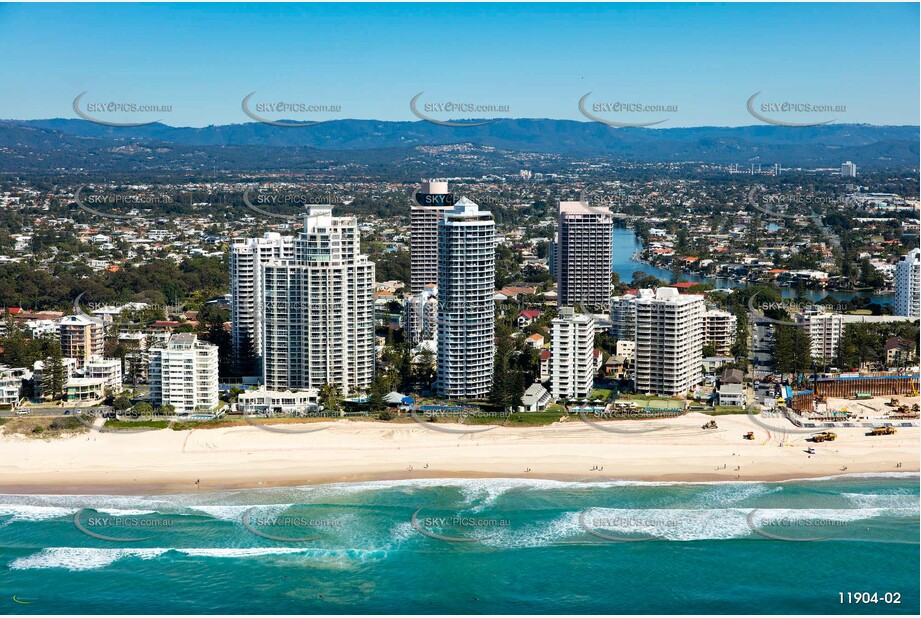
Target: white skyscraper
(246, 258)
(572, 361)
(908, 284)
(669, 340)
(848, 170)
(824, 330)
(433, 200)
(466, 313)
(720, 330)
(318, 309)
(184, 373)
(583, 257)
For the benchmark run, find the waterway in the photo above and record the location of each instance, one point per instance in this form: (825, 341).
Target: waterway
(626, 244)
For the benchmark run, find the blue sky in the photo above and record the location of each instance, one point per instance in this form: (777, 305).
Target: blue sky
(538, 59)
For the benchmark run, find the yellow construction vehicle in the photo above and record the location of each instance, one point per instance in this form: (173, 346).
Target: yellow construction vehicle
(749, 436)
(825, 436)
(709, 425)
(893, 402)
(882, 431)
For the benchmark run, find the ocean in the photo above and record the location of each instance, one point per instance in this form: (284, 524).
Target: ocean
(478, 546)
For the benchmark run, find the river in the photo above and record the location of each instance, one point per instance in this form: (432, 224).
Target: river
(626, 244)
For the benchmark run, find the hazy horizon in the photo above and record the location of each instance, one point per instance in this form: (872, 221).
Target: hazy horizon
(701, 61)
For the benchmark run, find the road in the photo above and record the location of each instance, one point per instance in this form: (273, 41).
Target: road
(55, 411)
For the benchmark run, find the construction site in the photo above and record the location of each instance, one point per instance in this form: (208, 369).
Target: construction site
(874, 399)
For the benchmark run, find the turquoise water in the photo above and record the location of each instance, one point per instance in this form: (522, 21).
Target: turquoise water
(625, 244)
(681, 548)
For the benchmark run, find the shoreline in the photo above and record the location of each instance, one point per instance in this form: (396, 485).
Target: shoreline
(167, 489)
(235, 458)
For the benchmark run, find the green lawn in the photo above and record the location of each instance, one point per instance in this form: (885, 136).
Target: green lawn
(113, 424)
(532, 419)
(722, 410)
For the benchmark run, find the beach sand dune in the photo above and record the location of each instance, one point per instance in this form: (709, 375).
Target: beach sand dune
(242, 456)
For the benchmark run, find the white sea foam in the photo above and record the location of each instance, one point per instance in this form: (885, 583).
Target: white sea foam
(862, 475)
(81, 558)
(896, 501)
(125, 512)
(401, 532)
(240, 552)
(561, 529)
(25, 512)
(89, 558)
(234, 512)
(672, 525)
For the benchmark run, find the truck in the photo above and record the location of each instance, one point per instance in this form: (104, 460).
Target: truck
(888, 430)
(825, 436)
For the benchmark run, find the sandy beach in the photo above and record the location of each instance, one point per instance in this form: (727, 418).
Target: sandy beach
(678, 449)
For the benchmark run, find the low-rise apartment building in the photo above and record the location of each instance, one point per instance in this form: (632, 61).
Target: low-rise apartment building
(184, 373)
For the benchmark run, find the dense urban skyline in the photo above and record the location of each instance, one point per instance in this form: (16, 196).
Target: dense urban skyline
(301, 302)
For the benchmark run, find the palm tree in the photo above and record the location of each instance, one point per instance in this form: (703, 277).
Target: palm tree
(330, 395)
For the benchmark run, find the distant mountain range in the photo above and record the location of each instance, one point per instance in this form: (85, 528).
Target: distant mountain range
(874, 147)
